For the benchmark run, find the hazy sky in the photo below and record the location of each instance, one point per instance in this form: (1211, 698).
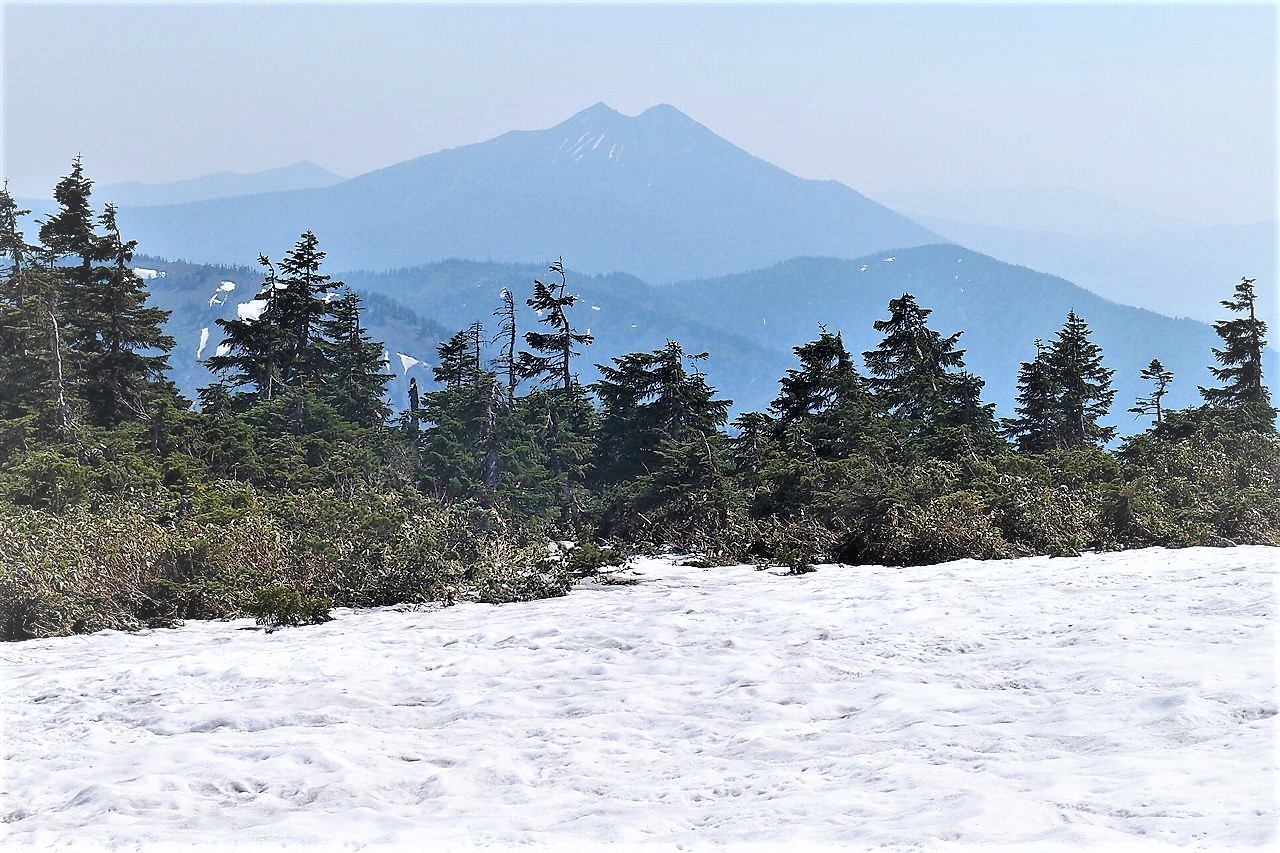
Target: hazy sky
(1163, 106)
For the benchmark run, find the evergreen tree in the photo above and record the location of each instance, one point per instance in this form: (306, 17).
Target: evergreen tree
(918, 380)
(1036, 427)
(1082, 386)
(506, 362)
(1151, 404)
(648, 399)
(125, 353)
(29, 353)
(253, 348)
(461, 447)
(825, 400)
(566, 414)
(1241, 354)
(302, 304)
(355, 376)
(551, 361)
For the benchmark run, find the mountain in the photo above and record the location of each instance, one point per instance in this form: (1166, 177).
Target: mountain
(1179, 273)
(198, 294)
(657, 195)
(1001, 308)
(300, 176)
(748, 322)
(1065, 210)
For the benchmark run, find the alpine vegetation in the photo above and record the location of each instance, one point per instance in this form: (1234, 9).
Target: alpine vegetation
(291, 485)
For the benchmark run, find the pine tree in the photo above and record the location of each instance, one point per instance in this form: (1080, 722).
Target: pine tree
(1082, 386)
(1151, 404)
(355, 376)
(1241, 354)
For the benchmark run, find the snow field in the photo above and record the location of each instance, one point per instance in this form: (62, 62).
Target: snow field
(1108, 699)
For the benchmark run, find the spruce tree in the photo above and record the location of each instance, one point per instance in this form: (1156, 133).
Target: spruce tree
(1151, 404)
(1240, 357)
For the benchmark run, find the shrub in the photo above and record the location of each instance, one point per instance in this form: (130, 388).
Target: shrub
(279, 605)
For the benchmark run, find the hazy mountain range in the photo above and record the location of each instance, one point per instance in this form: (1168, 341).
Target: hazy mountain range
(675, 233)
(656, 195)
(748, 322)
(299, 176)
(1129, 255)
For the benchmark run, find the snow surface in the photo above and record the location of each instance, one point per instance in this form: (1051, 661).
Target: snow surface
(204, 342)
(251, 311)
(1106, 700)
(407, 362)
(147, 274)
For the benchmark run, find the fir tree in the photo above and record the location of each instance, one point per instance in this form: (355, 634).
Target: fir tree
(1081, 385)
(917, 379)
(1036, 427)
(551, 362)
(506, 362)
(648, 399)
(355, 376)
(1240, 356)
(302, 304)
(28, 307)
(1151, 404)
(253, 350)
(125, 351)
(825, 399)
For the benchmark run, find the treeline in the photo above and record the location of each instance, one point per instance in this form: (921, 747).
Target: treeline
(292, 487)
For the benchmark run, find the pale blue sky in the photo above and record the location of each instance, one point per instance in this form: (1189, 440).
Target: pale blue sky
(1171, 107)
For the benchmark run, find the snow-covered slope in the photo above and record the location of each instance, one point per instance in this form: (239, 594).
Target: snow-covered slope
(1104, 699)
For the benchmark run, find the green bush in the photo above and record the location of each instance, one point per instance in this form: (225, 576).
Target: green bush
(279, 605)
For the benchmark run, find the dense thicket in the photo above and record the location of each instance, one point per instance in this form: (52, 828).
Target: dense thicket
(291, 487)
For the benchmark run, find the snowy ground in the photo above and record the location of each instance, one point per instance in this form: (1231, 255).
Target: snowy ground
(1106, 699)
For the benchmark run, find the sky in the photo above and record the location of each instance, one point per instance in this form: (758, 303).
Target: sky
(1167, 107)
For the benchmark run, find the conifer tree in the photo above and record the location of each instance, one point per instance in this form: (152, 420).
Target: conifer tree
(551, 361)
(1240, 357)
(1082, 386)
(302, 304)
(648, 399)
(252, 350)
(1035, 429)
(28, 307)
(567, 415)
(1151, 404)
(506, 362)
(355, 376)
(918, 380)
(825, 399)
(125, 352)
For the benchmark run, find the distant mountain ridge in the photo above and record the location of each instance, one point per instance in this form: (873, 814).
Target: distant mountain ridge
(298, 176)
(657, 195)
